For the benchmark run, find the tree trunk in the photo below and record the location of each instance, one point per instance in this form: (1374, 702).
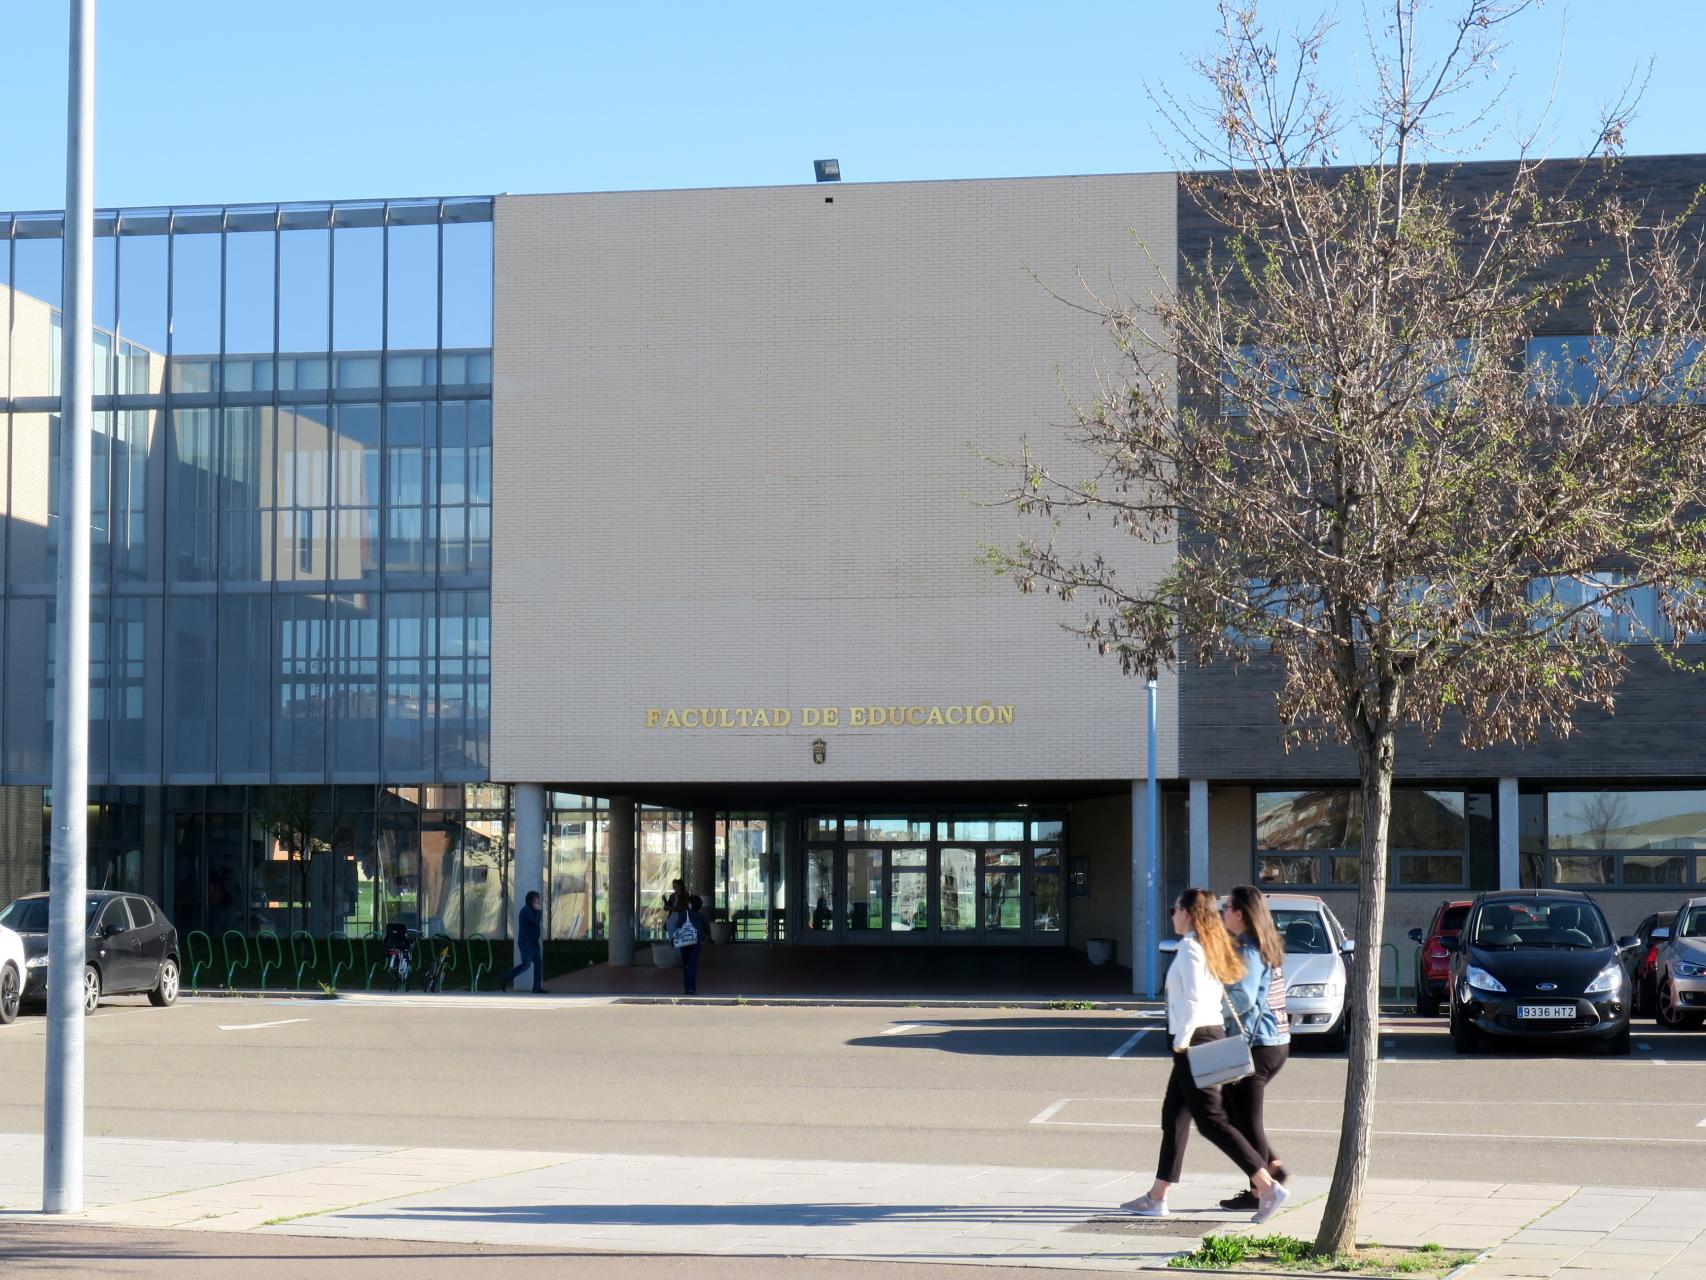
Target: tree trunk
(1356, 1126)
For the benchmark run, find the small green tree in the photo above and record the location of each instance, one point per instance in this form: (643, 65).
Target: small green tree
(1373, 488)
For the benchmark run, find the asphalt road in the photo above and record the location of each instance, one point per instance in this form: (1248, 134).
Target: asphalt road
(1057, 1088)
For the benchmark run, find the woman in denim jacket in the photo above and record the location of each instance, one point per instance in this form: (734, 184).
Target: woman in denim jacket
(1259, 998)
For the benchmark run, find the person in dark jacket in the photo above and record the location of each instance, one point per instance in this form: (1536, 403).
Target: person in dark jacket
(530, 923)
(690, 937)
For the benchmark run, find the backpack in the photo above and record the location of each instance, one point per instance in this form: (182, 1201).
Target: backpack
(685, 934)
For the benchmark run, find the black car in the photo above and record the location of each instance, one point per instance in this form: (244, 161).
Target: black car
(1539, 963)
(131, 947)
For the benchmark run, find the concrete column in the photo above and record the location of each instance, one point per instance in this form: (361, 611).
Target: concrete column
(701, 874)
(619, 880)
(1510, 835)
(1199, 833)
(528, 799)
(1142, 962)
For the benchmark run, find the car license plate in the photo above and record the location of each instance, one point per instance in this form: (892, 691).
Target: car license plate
(1546, 1011)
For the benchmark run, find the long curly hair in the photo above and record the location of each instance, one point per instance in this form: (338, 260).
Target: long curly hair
(1224, 962)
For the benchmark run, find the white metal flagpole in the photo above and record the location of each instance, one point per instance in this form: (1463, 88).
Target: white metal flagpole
(62, 1122)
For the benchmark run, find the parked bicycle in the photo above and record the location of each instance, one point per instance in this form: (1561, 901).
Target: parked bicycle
(400, 943)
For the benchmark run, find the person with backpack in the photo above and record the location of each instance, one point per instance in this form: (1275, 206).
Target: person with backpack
(529, 925)
(1259, 999)
(691, 933)
(1203, 968)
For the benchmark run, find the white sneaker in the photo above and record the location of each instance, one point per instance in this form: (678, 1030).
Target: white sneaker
(1269, 1204)
(1148, 1207)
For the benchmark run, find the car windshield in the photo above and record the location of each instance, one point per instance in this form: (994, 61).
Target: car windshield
(1453, 919)
(1693, 923)
(1305, 932)
(29, 915)
(1538, 922)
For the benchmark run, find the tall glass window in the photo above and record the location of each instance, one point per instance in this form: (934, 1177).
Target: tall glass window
(290, 558)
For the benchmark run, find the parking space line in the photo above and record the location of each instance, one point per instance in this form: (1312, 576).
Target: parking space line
(902, 1028)
(257, 1026)
(1048, 1112)
(1131, 1044)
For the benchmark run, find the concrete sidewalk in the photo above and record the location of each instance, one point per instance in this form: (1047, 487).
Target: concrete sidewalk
(841, 1208)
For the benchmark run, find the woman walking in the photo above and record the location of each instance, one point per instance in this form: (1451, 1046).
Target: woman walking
(1260, 1000)
(1196, 992)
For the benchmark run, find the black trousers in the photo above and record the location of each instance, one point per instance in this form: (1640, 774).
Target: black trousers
(1244, 1098)
(1183, 1103)
(690, 969)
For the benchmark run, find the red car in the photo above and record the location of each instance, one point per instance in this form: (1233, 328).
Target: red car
(1433, 983)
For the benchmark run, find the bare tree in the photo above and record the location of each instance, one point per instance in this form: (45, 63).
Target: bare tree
(296, 820)
(1375, 486)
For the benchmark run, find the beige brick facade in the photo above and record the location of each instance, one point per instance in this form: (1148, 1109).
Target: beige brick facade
(736, 439)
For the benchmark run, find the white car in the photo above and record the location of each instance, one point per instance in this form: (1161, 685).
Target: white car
(11, 974)
(1315, 975)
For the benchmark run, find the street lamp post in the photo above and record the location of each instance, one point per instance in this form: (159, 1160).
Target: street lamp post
(1152, 877)
(62, 1121)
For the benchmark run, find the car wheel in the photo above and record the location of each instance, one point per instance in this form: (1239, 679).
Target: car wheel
(1427, 1004)
(1464, 1037)
(1669, 1012)
(91, 988)
(11, 993)
(166, 990)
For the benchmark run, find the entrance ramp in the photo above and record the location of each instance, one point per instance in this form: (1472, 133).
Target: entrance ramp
(757, 970)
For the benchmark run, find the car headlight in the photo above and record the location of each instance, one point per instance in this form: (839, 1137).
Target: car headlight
(1313, 991)
(1610, 978)
(1684, 970)
(36, 962)
(1482, 980)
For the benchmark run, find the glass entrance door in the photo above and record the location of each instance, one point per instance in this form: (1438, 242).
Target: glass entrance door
(923, 880)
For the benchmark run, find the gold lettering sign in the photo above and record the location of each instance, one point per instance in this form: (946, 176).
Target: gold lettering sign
(978, 715)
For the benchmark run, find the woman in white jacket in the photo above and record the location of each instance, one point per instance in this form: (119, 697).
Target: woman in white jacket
(1196, 987)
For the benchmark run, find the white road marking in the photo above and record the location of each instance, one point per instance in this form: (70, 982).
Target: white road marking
(1701, 1125)
(256, 1026)
(903, 1028)
(1131, 1044)
(1047, 1113)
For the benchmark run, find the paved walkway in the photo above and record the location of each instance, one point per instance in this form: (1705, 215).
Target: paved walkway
(833, 1208)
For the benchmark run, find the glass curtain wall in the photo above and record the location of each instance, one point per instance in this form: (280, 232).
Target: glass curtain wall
(291, 532)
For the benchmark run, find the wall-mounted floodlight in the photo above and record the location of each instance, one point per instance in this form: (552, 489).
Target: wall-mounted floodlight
(827, 170)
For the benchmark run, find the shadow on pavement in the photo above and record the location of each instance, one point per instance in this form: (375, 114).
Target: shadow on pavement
(1037, 1036)
(798, 1214)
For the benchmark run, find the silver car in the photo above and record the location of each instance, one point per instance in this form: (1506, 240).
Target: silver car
(1680, 969)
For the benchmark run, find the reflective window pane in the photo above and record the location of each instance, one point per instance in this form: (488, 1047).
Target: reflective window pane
(1626, 820)
(411, 291)
(354, 706)
(820, 890)
(304, 302)
(191, 684)
(245, 684)
(300, 661)
(864, 890)
(468, 286)
(958, 890)
(250, 259)
(358, 307)
(196, 268)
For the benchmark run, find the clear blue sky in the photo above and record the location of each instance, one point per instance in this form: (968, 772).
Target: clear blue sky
(236, 100)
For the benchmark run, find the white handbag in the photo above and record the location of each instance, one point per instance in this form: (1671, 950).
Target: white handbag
(1218, 1062)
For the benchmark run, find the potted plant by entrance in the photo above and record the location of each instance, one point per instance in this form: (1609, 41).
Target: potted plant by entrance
(722, 929)
(1099, 950)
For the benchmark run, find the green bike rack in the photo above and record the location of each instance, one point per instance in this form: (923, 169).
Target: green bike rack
(338, 966)
(1418, 973)
(441, 941)
(372, 965)
(196, 966)
(313, 960)
(230, 964)
(277, 961)
(476, 970)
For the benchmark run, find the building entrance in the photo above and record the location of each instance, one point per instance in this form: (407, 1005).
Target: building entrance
(985, 879)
